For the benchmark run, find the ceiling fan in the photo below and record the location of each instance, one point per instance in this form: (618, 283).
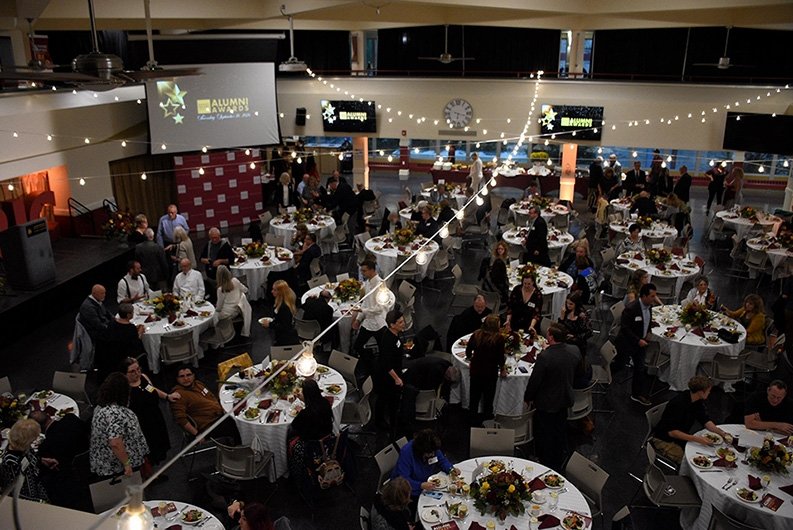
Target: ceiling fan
(96, 70)
(724, 61)
(446, 57)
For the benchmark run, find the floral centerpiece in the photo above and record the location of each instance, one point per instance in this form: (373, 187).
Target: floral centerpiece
(501, 494)
(285, 382)
(303, 215)
(771, 457)
(254, 249)
(529, 270)
(404, 236)
(166, 304)
(785, 239)
(645, 222)
(349, 289)
(539, 156)
(695, 315)
(512, 342)
(658, 256)
(119, 225)
(541, 202)
(12, 408)
(747, 212)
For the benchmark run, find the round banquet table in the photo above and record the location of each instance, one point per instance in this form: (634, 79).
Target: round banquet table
(709, 486)
(622, 205)
(556, 238)
(550, 281)
(741, 225)
(522, 208)
(255, 270)
(55, 405)
(386, 253)
(509, 390)
(406, 214)
(656, 230)
(259, 433)
(686, 349)
(777, 254)
(322, 225)
(570, 501)
(155, 330)
(174, 515)
(678, 267)
(341, 308)
(458, 196)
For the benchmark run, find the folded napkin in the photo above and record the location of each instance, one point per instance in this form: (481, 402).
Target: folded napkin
(191, 313)
(239, 407)
(265, 403)
(698, 332)
(174, 527)
(476, 526)
(548, 521)
(170, 507)
(513, 527)
(754, 482)
(151, 318)
(724, 463)
(677, 251)
(623, 261)
(330, 399)
(50, 410)
(674, 267)
(772, 246)
(529, 358)
(661, 267)
(787, 489)
(561, 283)
(638, 255)
(537, 484)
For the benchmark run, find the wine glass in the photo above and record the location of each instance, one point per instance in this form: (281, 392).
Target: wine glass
(765, 480)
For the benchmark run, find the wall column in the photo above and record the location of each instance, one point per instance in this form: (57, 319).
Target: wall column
(567, 181)
(360, 160)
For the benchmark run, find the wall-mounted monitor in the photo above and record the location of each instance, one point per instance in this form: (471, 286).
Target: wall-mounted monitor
(564, 120)
(227, 105)
(348, 116)
(761, 133)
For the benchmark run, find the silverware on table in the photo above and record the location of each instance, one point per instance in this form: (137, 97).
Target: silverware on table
(712, 471)
(730, 483)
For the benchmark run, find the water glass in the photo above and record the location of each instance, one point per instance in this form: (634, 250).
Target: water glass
(553, 500)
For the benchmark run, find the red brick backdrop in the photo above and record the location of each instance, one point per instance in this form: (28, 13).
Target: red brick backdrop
(229, 193)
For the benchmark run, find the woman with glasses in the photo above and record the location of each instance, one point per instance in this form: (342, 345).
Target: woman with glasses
(144, 401)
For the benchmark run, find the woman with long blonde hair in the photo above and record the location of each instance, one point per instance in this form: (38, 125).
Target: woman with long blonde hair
(230, 293)
(283, 321)
(751, 315)
(183, 247)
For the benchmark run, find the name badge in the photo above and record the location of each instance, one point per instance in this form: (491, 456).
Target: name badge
(204, 392)
(149, 388)
(399, 343)
(638, 319)
(433, 460)
(531, 304)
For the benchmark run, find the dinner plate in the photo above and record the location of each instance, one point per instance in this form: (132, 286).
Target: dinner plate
(755, 501)
(430, 515)
(715, 438)
(441, 481)
(561, 482)
(193, 523)
(707, 466)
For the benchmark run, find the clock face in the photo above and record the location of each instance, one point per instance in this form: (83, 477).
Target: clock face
(458, 112)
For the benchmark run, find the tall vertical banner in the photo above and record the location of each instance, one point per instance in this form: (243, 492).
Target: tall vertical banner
(567, 182)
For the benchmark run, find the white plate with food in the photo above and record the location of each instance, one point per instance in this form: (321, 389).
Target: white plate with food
(714, 438)
(574, 521)
(458, 510)
(702, 462)
(440, 480)
(251, 413)
(553, 481)
(747, 495)
(430, 515)
(192, 517)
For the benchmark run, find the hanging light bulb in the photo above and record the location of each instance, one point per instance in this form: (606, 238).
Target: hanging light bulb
(10, 187)
(549, 162)
(247, 152)
(785, 164)
(82, 181)
(416, 150)
(484, 131)
(87, 140)
(300, 160)
(383, 295)
(493, 180)
(421, 258)
(723, 163)
(136, 516)
(143, 176)
(201, 171)
(163, 147)
(49, 137)
(669, 158)
(253, 165)
(390, 158)
(761, 169)
(460, 215)
(381, 152)
(123, 143)
(484, 191)
(663, 164)
(600, 150)
(479, 200)
(204, 149)
(712, 163)
(294, 154)
(444, 233)
(307, 364)
(635, 154)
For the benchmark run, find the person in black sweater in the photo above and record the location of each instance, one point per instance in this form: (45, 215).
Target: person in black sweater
(283, 321)
(427, 227)
(683, 185)
(524, 307)
(485, 351)
(468, 321)
(121, 339)
(317, 308)
(537, 239)
(388, 371)
(769, 410)
(671, 433)
(644, 205)
(716, 176)
(315, 421)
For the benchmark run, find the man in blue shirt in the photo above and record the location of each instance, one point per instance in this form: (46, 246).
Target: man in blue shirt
(419, 459)
(167, 223)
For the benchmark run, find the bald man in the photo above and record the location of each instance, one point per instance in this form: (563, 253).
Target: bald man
(94, 316)
(166, 225)
(217, 252)
(188, 281)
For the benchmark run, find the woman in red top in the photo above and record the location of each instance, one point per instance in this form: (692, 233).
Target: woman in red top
(485, 351)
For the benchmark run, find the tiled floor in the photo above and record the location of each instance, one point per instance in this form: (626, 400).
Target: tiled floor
(614, 444)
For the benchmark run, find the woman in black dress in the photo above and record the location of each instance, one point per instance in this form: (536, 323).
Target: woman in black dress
(524, 309)
(574, 317)
(283, 322)
(388, 371)
(485, 351)
(144, 402)
(315, 421)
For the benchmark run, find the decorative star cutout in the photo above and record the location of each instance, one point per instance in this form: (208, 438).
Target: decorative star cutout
(549, 126)
(176, 94)
(178, 118)
(169, 108)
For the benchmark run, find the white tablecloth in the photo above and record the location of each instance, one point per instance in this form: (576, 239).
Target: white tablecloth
(255, 270)
(777, 255)
(548, 285)
(387, 257)
(622, 205)
(172, 518)
(741, 225)
(522, 208)
(273, 436)
(686, 350)
(570, 500)
(656, 230)
(686, 269)
(509, 390)
(324, 227)
(459, 198)
(556, 239)
(709, 487)
(155, 330)
(57, 401)
(339, 308)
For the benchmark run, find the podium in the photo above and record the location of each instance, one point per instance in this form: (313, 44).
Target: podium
(28, 255)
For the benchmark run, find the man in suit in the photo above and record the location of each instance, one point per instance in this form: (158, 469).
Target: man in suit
(683, 185)
(305, 256)
(635, 179)
(317, 308)
(153, 261)
(537, 239)
(94, 316)
(217, 252)
(427, 227)
(633, 339)
(550, 388)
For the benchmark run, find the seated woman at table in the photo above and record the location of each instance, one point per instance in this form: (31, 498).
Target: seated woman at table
(283, 323)
(671, 434)
(255, 516)
(485, 351)
(390, 507)
(497, 281)
(632, 243)
(315, 421)
(144, 401)
(445, 214)
(702, 294)
(419, 459)
(638, 278)
(311, 192)
(19, 459)
(301, 231)
(581, 268)
(524, 308)
(231, 299)
(751, 316)
(117, 441)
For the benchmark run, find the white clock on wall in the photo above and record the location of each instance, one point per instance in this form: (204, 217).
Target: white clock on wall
(458, 112)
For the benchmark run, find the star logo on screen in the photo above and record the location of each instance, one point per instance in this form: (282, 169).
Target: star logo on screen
(548, 116)
(173, 100)
(328, 112)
